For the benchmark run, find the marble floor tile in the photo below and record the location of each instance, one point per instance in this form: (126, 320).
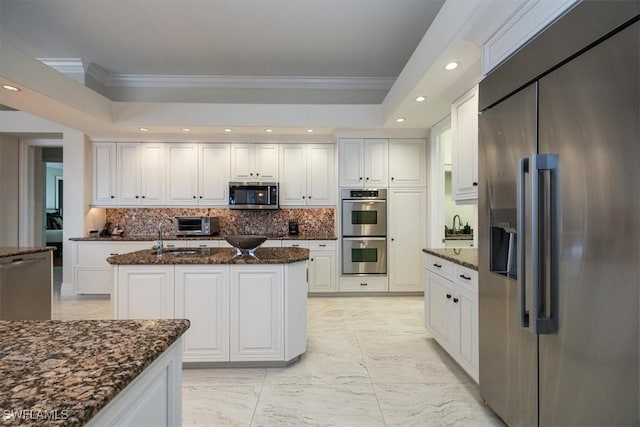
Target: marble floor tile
(219, 405)
(432, 405)
(313, 405)
(369, 362)
(223, 376)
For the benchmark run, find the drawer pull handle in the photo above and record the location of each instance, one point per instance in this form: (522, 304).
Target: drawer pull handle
(448, 296)
(363, 284)
(462, 276)
(323, 246)
(203, 246)
(437, 265)
(295, 245)
(114, 253)
(455, 300)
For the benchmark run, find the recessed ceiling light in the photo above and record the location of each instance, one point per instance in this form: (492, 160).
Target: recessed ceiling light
(451, 66)
(268, 130)
(420, 98)
(227, 130)
(310, 131)
(186, 130)
(11, 88)
(400, 120)
(144, 129)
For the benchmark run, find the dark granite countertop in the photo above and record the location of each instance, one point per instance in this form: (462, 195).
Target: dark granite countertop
(7, 251)
(465, 257)
(211, 256)
(147, 238)
(74, 367)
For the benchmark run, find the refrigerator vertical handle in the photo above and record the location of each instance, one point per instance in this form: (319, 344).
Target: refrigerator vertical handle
(545, 324)
(521, 269)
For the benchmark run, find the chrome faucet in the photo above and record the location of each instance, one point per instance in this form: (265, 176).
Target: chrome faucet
(454, 230)
(159, 244)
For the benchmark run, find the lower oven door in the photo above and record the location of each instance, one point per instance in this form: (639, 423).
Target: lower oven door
(364, 255)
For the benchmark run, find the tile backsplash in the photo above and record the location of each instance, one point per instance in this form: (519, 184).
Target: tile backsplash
(144, 221)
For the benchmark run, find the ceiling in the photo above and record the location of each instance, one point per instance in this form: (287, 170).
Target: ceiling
(329, 51)
(289, 66)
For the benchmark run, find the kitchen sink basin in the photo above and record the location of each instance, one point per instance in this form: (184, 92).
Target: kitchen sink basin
(186, 252)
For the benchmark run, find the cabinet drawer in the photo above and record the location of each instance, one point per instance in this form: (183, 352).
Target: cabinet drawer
(295, 243)
(364, 284)
(466, 277)
(203, 244)
(439, 265)
(322, 245)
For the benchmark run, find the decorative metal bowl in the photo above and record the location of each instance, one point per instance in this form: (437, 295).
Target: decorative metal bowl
(245, 244)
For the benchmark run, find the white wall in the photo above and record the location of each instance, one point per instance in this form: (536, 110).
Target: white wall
(77, 193)
(9, 190)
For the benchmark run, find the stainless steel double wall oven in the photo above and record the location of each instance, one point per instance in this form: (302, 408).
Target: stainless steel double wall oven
(364, 231)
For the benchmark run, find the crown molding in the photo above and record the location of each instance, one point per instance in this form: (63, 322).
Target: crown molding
(237, 82)
(65, 65)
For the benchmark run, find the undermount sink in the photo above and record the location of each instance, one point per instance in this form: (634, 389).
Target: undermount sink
(185, 252)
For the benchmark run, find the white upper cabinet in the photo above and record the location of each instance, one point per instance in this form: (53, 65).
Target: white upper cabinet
(306, 174)
(104, 174)
(140, 174)
(464, 138)
(364, 162)
(254, 162)
(182, 174)
(213, 174)
(197, 174)
(531, 17)
(407, 162)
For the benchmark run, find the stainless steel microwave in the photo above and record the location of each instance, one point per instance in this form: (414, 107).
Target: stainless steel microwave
(253, 195)
(197, 225)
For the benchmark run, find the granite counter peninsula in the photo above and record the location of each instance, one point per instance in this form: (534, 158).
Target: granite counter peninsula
(243, 311)
(91, 372)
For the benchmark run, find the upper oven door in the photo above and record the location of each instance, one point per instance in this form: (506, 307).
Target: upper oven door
(364, 218)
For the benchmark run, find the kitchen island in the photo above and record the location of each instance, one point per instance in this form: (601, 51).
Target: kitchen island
(93, 372)
(243, 311)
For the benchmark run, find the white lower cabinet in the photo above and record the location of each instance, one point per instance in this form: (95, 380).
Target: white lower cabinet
(148, 294)
(407, 236)
(451, 310)
(92, 274)
(248, 313)
(322, 263)
(202, 292)
(256, 313)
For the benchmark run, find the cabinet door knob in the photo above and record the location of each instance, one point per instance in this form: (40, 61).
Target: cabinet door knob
(448, 296)
(311, 259)
(360, 178)
(393, 240)
(194, 197)
(113, 197)
(309, 196)
(456, 300)
(367, 178)
(144, 197)
(251, 174)
(303, 197)
(475, 184)
(392, 178)
(137, 197)
(201, 197)
(257, 174)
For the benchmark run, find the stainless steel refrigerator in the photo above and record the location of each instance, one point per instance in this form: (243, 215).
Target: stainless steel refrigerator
(559, 223)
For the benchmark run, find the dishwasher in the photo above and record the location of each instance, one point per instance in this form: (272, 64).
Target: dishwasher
(26, 287)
